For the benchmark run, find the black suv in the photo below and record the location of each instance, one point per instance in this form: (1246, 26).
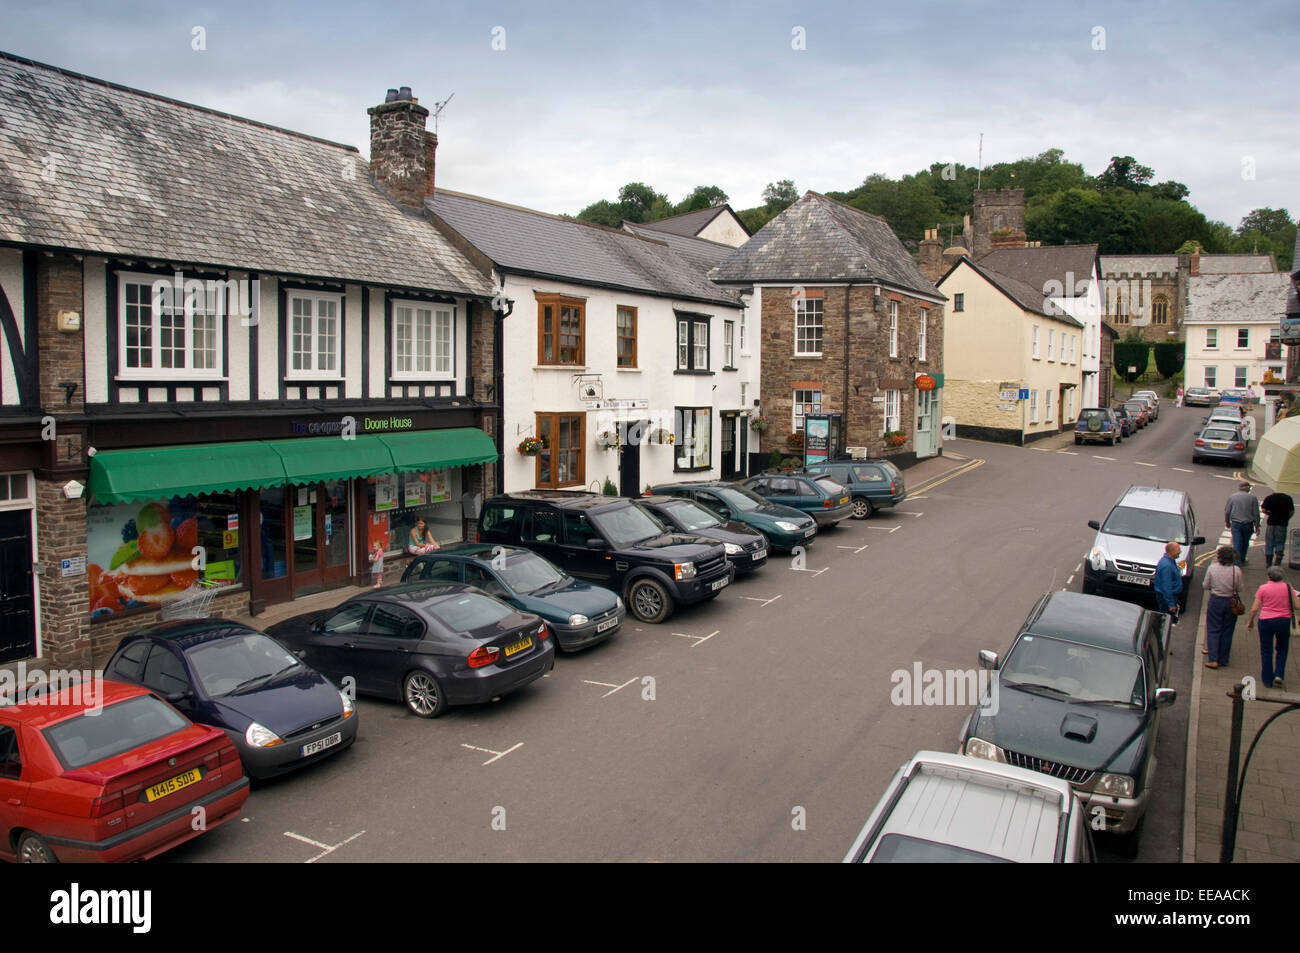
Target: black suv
(612, 542)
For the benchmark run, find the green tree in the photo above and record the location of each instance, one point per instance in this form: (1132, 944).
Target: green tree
(779, 196)
(637, 201)
(702, 196)
(1131, 354)
(1266, 221)
(1169, 357)
(603, 212)
(1124, 172)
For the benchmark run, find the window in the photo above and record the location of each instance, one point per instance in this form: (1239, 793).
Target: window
(1211, 377)
(1051, 344)
(560, 327)
(562, 463)
(1034, 342)
(1069, 403)
(626, 337)
(805, 402)
(692, 343)
(315, 337)
(422, 340)
(174, 333)
(742, 333)
(959, 302)
(1243, 337)
(1047, 410)
(729, 344)
(11, 761)
(920, 339)
(893, 329)
(1033, 406)
(808, 318)
(692, 441)
(1239, 377)
(1211, 338)
(1160, 310)
(893, 409)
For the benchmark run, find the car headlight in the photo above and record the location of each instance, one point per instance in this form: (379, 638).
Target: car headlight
(347, 706)
(259, 737)
(1097, 559)
(684, 570)
(578, 619)
(1117, 785)
(979, 748)
(787, 526)
(732, 549)
(618, 601)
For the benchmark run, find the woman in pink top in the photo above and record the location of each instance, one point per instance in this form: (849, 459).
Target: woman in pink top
(1274, 603)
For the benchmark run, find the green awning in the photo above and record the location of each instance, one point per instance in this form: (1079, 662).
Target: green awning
(125, 476)
(318, 459)
(439, 449)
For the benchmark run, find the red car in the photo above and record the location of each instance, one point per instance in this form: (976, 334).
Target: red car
(126, 782)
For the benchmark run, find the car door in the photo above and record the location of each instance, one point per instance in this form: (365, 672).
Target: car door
(14, 790)
(387, 648)
(165, 674)
(713, 502)
(486, 580)
(579, 558)
(329, 650)
(539, 530)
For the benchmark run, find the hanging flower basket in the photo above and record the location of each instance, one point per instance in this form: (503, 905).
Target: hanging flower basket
(607, 439)
(661, 435)
(531, 446)
(759, 424)
(895, 438)
(795, 440)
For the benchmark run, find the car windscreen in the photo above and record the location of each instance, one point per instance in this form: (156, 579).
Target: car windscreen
(528, 572)
(1145, 524)
(1071, 671)
(692, 516)
(626, 525)
(900, 849)
(117, 728)
(227, 666)
(469, 611)
(739, 498)
(1135, 406)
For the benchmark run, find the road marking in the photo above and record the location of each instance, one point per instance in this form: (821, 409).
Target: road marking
(1070, 581)
(610, 685)
(698, 638)
(956, 473)
(765, 602)
(818, 572)
(498, 754)
(1220, 476)
(1098, 456)
(325, 849)
(1141, 464)
(1069, 453)
(910, 498)
(1040, 449)
(1182, 470)
(1078, 567)
(856, 549)
(908, 513)
(892, 529)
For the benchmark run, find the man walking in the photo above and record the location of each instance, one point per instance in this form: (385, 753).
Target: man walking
(1241, 515)
(1279, 508)
(1168, 582)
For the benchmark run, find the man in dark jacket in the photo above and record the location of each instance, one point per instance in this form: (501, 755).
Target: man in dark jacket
(1168, 583)
(1279, 508)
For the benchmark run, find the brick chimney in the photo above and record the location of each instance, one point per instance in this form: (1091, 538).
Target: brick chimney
(931, 255)
(401, 152)
(1194, 264)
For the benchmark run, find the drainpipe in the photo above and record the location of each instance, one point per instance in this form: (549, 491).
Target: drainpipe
(498, 378)
(848, 342)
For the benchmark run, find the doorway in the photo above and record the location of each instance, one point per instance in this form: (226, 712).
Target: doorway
(632, 435)
(730, 466)
(17, 616)
(305, 538)
(926, 438)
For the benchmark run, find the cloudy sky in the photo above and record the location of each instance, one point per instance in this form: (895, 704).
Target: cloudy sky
(558, 104)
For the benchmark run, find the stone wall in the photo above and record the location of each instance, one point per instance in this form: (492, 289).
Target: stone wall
(1000, 211)
(399, 151)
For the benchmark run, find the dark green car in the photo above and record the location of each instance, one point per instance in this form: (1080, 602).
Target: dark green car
(579, 613)
(784, 527)
(817, 496)
(873, 484)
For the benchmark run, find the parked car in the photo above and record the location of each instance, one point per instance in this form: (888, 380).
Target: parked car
(1220, 442)
(1152, 399)
(579, 613)
(1141, 409)
(1200, 396)
(80, 782)
(613, 543)
(430, 646)
(1231, 415)
(1132, 540)
(279, 713)
(1127, 420)
(1078, 697)
(820, 497)
(784, 526)
(1232, 395)
(746, 548)
(1097, 425)
(991, 813)
(872, 484)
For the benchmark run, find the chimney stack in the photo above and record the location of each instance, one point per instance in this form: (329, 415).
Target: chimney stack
(401, 152)
(931, 256)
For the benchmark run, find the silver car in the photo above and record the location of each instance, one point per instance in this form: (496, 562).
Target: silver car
(1152, 398)
(1202, 396)
(1220, 441)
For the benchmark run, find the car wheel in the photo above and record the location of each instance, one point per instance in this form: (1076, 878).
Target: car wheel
(32, 849)
(1110, 442)
(649, 600)
(862, 508)
(423, 695)
(1126, 845)
(1089, 587)
(1077, 440)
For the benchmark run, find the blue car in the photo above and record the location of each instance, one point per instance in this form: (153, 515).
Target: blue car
(279, 713)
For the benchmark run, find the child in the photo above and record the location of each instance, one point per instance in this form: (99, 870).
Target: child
(377, 564)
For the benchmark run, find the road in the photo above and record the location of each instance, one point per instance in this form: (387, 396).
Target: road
(761, 726)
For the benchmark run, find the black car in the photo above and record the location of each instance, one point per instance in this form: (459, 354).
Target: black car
(784, 526)
(872, 484)
(746, 548)
(280, 713)
(430, 646)
(612, 542)
(1127, 419)
(1078, 697)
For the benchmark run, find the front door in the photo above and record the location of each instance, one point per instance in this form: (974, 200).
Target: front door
(926, 438)
(17, 619)
(729, 469)
(632, 436)
(318, 528)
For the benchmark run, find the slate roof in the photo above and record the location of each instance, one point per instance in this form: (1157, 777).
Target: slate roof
(820, 239)
(690, 224)
(1027, 296)
(700, 252)
(1036, 266)
(1293, 293)
(1237, 264)
(1237, 298)
(528, 242)
(1138, 264)
(137, 175)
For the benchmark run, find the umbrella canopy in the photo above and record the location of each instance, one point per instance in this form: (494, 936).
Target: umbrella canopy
(1277, 458)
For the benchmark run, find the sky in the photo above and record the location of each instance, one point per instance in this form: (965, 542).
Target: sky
(556, 105)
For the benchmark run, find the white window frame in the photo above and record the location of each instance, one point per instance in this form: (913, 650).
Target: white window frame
(920, 338)
(893, 330)
(1033, 406)
(1051, 344)
(1211, 339)
(1047, 405)
(438, 313)
(1241, 375)
(1240, 332)
(1034, 351)
(1211, 376)
(958, 301)
(804, 315)
(214, 304)
(729, 344)
(797, 409)
(893, 410)
(313, 373)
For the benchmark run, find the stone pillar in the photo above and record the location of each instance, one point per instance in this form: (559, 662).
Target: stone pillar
(400, 154)
(65, 600)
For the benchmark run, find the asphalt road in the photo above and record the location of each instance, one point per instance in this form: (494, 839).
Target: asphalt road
(761, 726)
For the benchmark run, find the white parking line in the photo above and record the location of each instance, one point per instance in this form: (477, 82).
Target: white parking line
(1040, 449)
(1078, 567)
(911, 498)
(815, 572)
(856, 549)
(1141, 464)
(325, 849)
(765, 602)
(908, 513)
(1182, 470)
(1069, 453)
(892, 529)
(610, 685)
(498, 754)
(1100, 457)
(698, 638)
(1220, 476)
(1070, 581)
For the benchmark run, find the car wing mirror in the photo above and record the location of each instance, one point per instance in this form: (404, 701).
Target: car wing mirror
(318, 627)
(988, 659)
(1094, 524)
(1165, 697)
(1198, 540)
(177, 698)
(597, 543)
(301, 653)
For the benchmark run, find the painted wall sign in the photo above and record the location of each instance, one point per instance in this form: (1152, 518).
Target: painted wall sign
(925, 382)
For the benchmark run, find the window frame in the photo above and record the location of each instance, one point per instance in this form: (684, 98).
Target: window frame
(1211, 376)
(803, 313)
(921, 335)
(893, 328)
(893, 410)
(1211, 339)
(796, 406)
(692, 324)
(1051, 344)
(693, 414)
(1033, 405)
(313, 373)
(155, 370)
(1243, 345)
(1034, 349)
(559, 302)
(728, 345)
(958, 301)
(1240, 375)
(434, 309)
(620, 337)
(581, 468)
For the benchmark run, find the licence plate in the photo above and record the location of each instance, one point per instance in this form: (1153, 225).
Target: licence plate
(1218, 446)
(607, 625)
(322, 744)
(172, 785)
(761, 554)
(719, 584)
(1138, 580)
(844, 500)
(525, 643)
(809, 532)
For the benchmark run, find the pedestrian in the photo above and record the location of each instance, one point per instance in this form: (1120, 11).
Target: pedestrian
(1168, 582)
(1223, 582)
(377, 564)
(1279, 508)
(421, 541)
(1241, 515)
(1178, 401)
(1275, 604)
(1250, 394)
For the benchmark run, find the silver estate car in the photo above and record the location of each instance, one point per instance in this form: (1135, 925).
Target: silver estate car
(1220, 441)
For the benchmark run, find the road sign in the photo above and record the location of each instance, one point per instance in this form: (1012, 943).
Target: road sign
(1024, 393)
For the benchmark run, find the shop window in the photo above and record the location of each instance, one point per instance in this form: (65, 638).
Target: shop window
(692, 438)
(399, 500)
(805, 402)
